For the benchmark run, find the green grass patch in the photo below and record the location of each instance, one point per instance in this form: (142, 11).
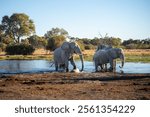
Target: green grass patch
(128, 58)
(137, 58)
(26, 57)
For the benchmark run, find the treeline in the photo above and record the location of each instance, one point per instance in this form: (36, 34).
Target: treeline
(115, 42)
(18, 31)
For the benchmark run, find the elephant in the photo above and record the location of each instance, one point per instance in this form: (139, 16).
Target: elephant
(64, 54)
(108, 56)
(104, 47)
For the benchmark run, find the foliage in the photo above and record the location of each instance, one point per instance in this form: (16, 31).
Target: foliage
(7, 40)
(55, 42)
(37, 42)
(55, 37)
(19, 49)
(81, 45)
(56, 32)
(110, 41)
(17, 26)
(2, 47)
(137, 44)
(89, 47)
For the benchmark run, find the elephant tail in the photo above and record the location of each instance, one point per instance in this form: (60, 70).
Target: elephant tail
(52, 63)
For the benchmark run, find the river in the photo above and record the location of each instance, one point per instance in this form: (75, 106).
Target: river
(41, 66)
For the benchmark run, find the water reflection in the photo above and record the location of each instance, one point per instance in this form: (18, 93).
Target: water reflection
(36, 66)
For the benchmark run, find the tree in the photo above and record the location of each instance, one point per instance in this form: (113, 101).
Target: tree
(55, 42)
(56, 32)
(17, 25)
(37, 41)
(55, 37)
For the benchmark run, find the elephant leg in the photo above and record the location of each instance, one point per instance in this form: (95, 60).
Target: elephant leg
(111, 65)
(102, 67)
(66, 66)
(105, 67)
(96, 66)
(62, 66)
(72, 62)
(56, 66)
(114, 65)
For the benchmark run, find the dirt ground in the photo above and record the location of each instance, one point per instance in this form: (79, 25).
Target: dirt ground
(83, 86)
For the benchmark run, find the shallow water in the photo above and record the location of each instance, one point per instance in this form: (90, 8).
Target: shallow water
(40, 66)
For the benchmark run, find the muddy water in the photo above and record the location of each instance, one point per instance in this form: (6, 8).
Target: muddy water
(40, 66)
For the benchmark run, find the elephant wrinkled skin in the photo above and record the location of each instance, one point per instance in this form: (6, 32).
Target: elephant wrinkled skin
(108, 56)
(64, 54)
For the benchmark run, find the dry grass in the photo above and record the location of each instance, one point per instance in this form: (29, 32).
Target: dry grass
(132, 55)
(126, 51)
(137, 52)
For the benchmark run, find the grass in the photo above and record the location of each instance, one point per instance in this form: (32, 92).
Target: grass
(133, 58)
(135, 55)
(26, 57)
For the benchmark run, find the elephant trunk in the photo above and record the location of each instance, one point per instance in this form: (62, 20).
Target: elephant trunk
(122, 60)
(81, 58)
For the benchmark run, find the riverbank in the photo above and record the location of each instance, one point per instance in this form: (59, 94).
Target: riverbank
(75, 86)
(132, 55)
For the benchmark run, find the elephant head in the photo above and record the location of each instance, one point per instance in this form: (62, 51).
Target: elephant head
(72, 47)
(118, 53)
(115, 53)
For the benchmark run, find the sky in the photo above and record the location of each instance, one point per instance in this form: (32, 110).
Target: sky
(85, 18)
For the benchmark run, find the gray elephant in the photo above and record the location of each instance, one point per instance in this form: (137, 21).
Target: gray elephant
(64, 54)
(104, 47)
(108, 56)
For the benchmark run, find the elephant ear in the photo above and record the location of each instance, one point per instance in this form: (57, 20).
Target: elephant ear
(112, 53)
(73, 44)
(65, 46)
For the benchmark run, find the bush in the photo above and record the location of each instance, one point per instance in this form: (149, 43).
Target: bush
(89, 47)
(55, 42)
(19, 49)
(37, 42)
(2, 47)
(81, 44)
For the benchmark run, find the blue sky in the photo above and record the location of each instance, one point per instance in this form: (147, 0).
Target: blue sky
(85, 18)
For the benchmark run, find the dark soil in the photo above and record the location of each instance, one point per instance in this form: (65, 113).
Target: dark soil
(78, 86)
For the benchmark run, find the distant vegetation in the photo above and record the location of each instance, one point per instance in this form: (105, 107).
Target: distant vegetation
(19, 49)
(17, 32)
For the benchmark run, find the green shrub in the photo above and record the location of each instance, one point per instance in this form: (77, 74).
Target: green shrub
(89, 47)
(19, 49)
(2, 47)
(81, 44)
(55, 42)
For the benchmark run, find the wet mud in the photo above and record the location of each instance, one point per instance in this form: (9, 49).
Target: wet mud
(83, 86)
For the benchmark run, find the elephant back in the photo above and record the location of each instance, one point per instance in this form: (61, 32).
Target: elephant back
(65, 46)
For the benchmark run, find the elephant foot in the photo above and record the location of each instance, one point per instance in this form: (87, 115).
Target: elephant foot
(56, 69)
(75, 70)
(106, 70)
(67, 70)
(110, 69)
(96, 71)
(102, 70)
